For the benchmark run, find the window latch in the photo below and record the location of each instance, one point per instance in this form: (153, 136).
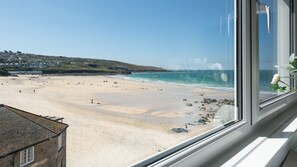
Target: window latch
(263, 8)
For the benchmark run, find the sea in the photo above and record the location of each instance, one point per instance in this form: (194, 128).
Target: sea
(222, 79)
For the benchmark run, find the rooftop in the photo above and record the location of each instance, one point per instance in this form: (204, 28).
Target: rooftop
(20, 129)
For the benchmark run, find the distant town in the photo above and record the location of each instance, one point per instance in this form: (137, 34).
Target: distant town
(18, 61)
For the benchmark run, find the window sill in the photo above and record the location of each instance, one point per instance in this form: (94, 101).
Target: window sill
(284, 97)
(26, 164)
(276, 105)
(268, 150)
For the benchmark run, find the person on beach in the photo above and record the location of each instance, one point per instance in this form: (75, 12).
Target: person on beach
(92, 101)
(20, 91)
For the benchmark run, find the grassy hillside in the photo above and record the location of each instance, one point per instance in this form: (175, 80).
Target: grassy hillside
(3, 72)
(62, 65)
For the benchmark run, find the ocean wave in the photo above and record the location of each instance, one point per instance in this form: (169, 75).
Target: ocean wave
(139, 79)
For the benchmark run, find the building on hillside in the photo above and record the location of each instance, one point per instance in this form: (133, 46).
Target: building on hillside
(30, 140)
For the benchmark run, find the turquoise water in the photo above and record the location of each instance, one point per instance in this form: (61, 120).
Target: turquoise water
(208, 78)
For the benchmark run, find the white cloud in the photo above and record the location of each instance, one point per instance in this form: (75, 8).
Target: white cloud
(199, 62)
(194, 64)
(216, 66)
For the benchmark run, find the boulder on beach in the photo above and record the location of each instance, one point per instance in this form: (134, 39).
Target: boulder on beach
(226, 102)
(209, 100)
(189, 104)
(179, 130)
(226, 113)
(201, 121)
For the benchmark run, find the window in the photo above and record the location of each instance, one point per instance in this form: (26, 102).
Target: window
(157, 78)
(224, 75)
(27, 156)
(275, 44)
(195, 45)
(177, 65)
(60, 141)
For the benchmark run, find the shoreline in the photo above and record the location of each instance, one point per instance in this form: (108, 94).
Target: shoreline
(171, 83)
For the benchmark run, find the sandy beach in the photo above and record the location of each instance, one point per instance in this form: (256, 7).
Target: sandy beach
(112, 121)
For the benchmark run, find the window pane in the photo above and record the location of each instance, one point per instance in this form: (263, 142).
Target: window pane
(174, 77)
(23, 157)
(30, 154)
(274, 46)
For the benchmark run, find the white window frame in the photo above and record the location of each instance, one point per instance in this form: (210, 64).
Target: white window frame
(215, 145)
(274, 105)
(60, 141)
(27, 160)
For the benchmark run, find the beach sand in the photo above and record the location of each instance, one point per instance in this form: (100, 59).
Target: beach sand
(127, 121)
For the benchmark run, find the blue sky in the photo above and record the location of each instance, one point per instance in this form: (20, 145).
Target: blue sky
(185, 34)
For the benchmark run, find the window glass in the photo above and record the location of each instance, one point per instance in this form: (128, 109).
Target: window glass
(27, 156)
(274, 44)
(132, 78)
(59, 141)
(23, 157)
(30, 154)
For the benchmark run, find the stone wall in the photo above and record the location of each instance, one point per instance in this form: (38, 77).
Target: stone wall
(46, 154)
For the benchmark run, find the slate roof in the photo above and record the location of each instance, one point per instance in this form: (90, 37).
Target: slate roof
(20, 129)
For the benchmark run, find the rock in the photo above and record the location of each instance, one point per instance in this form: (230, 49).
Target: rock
(193, 124)
(115, 83)
(203, 108)
(226, 102)
(201, 121)
(184, 99)
(209, 100)
(179, 130)
(189, 104)
(226, 113)
(205, 119)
